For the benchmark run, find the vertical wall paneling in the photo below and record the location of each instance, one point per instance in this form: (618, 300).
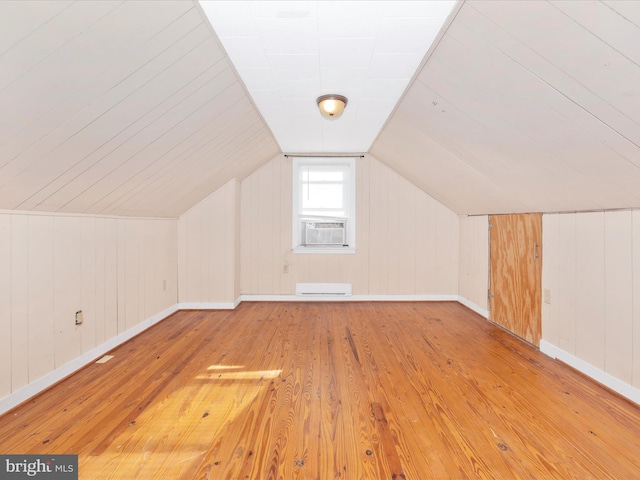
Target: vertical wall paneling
(550, 240)
(592, 269)
(236, 240)
(564, 301)
(157, 266)
(19, 302)
(473, 270)
(149, 282)
(208, 255)
(394, 254)
(183, 252)
(447, 258)
(110, 281)
(618, 295)
(225, 228)
(40, 296)
(636, 299)
(215, 232)
(195, 237)
(220, 232)
(377, 231)
(246, 226)
(89, 245)
(424, 256)
(142, 236)
(53, 265)
(5, 305)
(285, 207)
(268, 207)
(253, 242)
(407, 220)
(407, 243)
(230, 233)
(122, 294)
(363, 236)
(99, 300)
(590, 275)
(129, 262)
(67, 286)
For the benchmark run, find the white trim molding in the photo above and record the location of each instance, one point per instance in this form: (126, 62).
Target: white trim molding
(472, 306)
(209, 305)
(28, 391)
(351, 298)
(598, 375)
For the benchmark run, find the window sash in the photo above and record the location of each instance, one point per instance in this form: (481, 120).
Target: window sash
(316, 180)
(310, 176)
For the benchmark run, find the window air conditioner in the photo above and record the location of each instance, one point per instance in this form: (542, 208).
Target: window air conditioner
(326, 232)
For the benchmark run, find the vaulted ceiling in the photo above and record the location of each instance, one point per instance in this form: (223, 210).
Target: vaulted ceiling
(134, 108)
(127, 108)
(526, 106)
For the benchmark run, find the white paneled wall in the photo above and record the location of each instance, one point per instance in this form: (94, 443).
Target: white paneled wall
(6, 320)
(407, 242)
(473, 272)
(591, 274)
(209, 244)
(118, 271)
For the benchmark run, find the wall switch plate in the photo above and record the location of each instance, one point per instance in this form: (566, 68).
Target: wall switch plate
(79, 317)
(547, 296)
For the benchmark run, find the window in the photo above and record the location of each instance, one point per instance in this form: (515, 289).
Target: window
(324, 205)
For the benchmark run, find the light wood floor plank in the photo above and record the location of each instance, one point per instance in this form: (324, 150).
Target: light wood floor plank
(330, 390)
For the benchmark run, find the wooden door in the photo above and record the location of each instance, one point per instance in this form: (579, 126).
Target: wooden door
(515, 288)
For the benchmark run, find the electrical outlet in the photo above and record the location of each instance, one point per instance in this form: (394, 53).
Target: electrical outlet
(164, 285)
(79, 317)
(547, 296)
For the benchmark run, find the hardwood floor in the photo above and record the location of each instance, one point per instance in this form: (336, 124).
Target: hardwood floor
(330, 390)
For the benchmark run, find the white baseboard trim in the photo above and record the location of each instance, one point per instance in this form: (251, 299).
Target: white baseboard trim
(598, 375)
(350, 298)
(25, 393)
(472, 306)
(209, 305)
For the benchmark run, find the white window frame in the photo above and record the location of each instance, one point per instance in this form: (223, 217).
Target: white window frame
(350, 246)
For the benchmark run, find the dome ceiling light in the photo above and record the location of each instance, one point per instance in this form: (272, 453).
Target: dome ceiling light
(331, 106)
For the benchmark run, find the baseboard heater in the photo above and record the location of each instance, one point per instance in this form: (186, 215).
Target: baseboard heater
(322, 289)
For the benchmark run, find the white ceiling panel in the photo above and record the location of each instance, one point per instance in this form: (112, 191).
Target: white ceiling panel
(26, 17)
(318, 47)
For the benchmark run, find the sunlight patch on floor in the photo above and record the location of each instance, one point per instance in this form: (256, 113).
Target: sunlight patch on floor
(170, 437)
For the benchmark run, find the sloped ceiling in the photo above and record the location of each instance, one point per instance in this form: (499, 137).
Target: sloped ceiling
(126, 108)
(526, 106)
(133, 108)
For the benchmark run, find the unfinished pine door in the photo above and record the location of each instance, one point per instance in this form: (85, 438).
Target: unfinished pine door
(515, 289)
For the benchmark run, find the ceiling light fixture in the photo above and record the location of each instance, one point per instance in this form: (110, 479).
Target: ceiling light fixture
(331, 106)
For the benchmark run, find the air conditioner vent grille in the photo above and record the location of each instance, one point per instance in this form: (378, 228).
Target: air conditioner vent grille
(331, 232)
